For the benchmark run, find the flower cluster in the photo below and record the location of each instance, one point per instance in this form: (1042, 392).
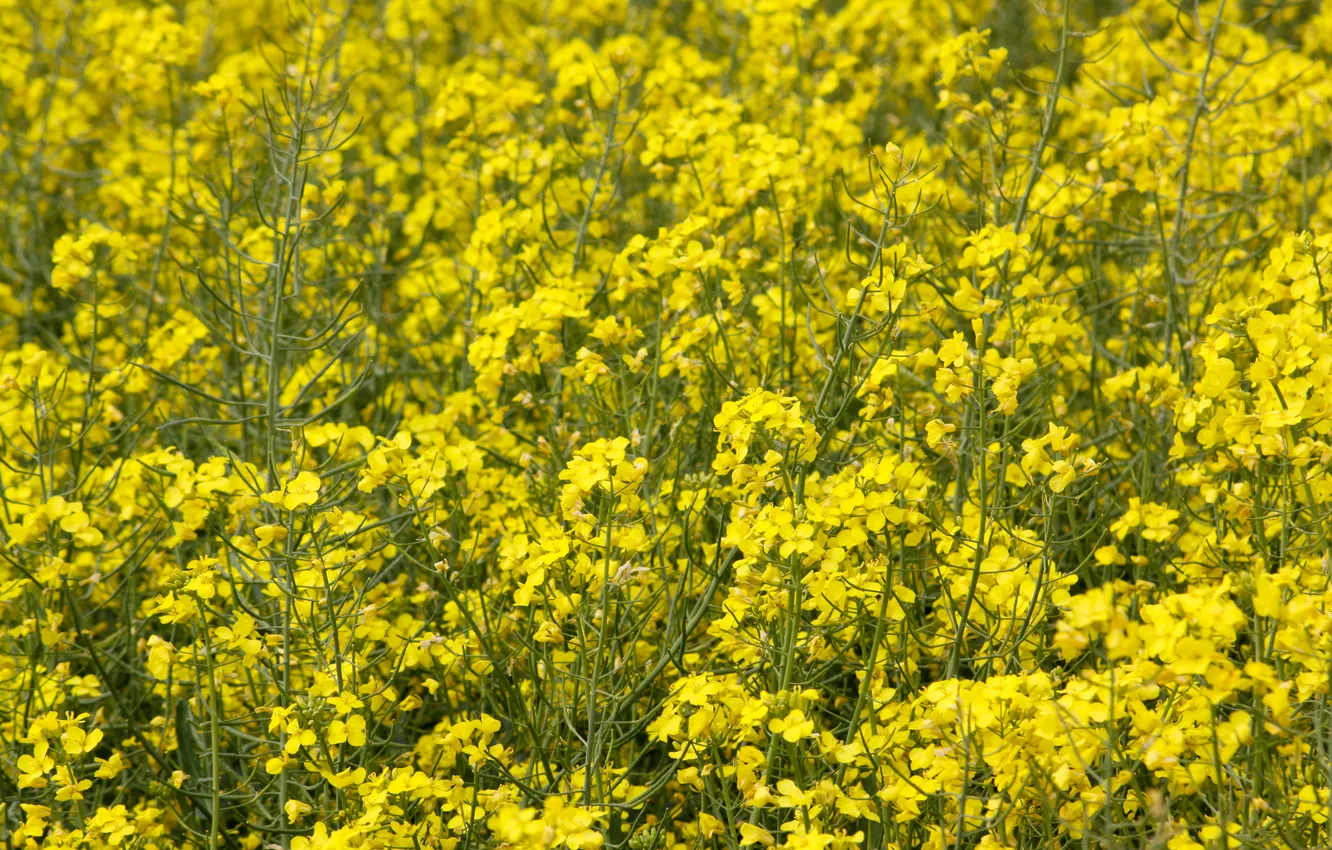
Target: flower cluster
(665, 425)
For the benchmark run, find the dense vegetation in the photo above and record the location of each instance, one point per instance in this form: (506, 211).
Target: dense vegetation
(665, 424)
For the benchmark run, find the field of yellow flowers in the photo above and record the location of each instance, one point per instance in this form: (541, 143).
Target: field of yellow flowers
(665, 424)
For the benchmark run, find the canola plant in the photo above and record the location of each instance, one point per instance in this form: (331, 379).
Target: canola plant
(665, 424)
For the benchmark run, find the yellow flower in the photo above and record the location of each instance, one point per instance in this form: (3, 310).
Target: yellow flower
(112, 767)
(303, 490)
(935, 431)
(709, 825)
(270, 534)
(792, 727)
(548, 632)
(351, 731)
(241, 635)
(752, 834)
(296, 810)
(76, 741)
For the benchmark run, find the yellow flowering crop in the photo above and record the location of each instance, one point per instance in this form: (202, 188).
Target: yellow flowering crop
(665, 425)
